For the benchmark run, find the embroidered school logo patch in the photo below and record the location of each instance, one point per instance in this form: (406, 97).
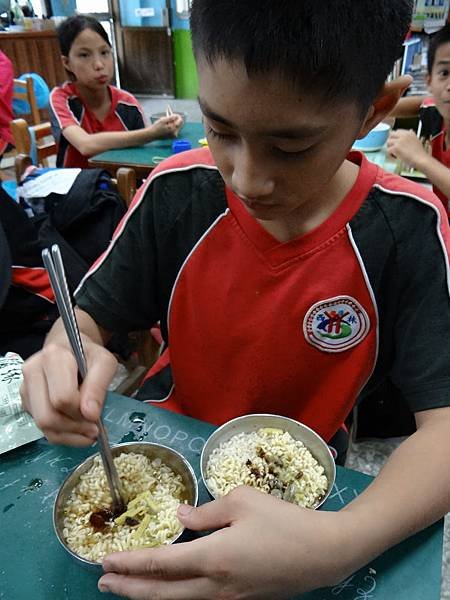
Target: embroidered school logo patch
(336, 324)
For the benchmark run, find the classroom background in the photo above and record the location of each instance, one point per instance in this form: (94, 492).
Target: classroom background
(154, 61)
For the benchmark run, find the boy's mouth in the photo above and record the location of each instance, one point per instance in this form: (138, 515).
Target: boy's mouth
(256, 205)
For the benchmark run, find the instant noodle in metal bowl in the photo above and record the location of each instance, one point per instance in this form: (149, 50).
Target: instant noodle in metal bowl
(272, 453)
(155, 480)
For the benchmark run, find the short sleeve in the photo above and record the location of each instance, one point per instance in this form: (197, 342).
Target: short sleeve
(59, 106)
(421, 367)
(130, 111)
(120, 291)
(430, 118)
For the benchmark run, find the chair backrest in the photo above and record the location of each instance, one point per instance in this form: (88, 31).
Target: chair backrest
(24, 90)
(30, 139)
(125, 177)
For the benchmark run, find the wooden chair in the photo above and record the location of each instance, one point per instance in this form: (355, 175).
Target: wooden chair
(24, 90)
(44, 142)
(145, 345)
(46, 147)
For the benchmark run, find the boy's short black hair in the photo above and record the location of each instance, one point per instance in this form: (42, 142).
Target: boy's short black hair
(70, 28)
(438, 39)
(341, 50)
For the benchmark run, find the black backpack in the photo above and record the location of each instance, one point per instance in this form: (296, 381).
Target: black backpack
(81, 222)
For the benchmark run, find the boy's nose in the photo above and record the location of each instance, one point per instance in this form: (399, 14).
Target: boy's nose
(250, 179)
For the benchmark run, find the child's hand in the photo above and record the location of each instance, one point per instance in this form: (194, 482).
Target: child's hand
(406, 146)
(63, 411)
(167, 127)
(263, 548)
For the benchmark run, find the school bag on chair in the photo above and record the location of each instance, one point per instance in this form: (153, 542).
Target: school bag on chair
(81, 222)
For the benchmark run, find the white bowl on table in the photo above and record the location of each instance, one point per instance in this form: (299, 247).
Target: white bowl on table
(374, 140)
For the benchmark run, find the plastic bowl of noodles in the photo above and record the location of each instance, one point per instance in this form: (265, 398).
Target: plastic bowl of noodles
(155, 480)
(272, 453)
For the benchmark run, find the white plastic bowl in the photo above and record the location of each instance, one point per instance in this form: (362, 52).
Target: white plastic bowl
(374, 140)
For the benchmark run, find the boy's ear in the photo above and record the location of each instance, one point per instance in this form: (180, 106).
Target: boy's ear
(384, 103)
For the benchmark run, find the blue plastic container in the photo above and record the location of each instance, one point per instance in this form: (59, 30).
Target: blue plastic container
(374, 140)
(181, 146)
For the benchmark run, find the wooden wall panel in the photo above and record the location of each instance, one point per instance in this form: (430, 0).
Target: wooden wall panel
(145, 60)
(36, 52)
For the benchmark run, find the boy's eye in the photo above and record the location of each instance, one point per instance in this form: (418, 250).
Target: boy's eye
(217, 134)
(83, 54)
(292, 153)
(444, 73)
(106, 52)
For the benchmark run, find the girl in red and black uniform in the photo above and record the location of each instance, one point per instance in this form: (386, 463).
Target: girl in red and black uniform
(88, 114)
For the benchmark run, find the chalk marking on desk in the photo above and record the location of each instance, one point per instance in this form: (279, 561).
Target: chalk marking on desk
(338, 493)
(176, 437)
(7, 485)
(122, 420)
(366, 594)
(58, 459)
(160, 433)
(38, 457)
(51, 495)
(338, 589)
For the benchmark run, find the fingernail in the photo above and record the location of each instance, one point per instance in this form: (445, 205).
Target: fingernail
(184, 510)
(102, 587)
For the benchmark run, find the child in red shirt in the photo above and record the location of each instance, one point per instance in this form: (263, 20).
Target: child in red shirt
(88, 114)
(6, 96)
(434, 114)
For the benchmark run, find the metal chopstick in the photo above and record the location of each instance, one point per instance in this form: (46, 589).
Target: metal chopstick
(55, 268)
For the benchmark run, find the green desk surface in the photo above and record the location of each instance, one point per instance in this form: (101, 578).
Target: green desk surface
(143, 155)
(388, 163)
(33, 565)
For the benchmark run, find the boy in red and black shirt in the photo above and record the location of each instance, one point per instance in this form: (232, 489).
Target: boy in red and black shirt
(434, 115)
(290, 276)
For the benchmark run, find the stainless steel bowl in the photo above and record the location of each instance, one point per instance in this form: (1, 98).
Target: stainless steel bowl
(249, 423)
(169, 457)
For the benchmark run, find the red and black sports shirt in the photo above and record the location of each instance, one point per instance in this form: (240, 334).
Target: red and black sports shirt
(299, 328)
(67, 108)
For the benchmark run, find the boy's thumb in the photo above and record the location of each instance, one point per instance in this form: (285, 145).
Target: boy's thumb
(212, 515)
